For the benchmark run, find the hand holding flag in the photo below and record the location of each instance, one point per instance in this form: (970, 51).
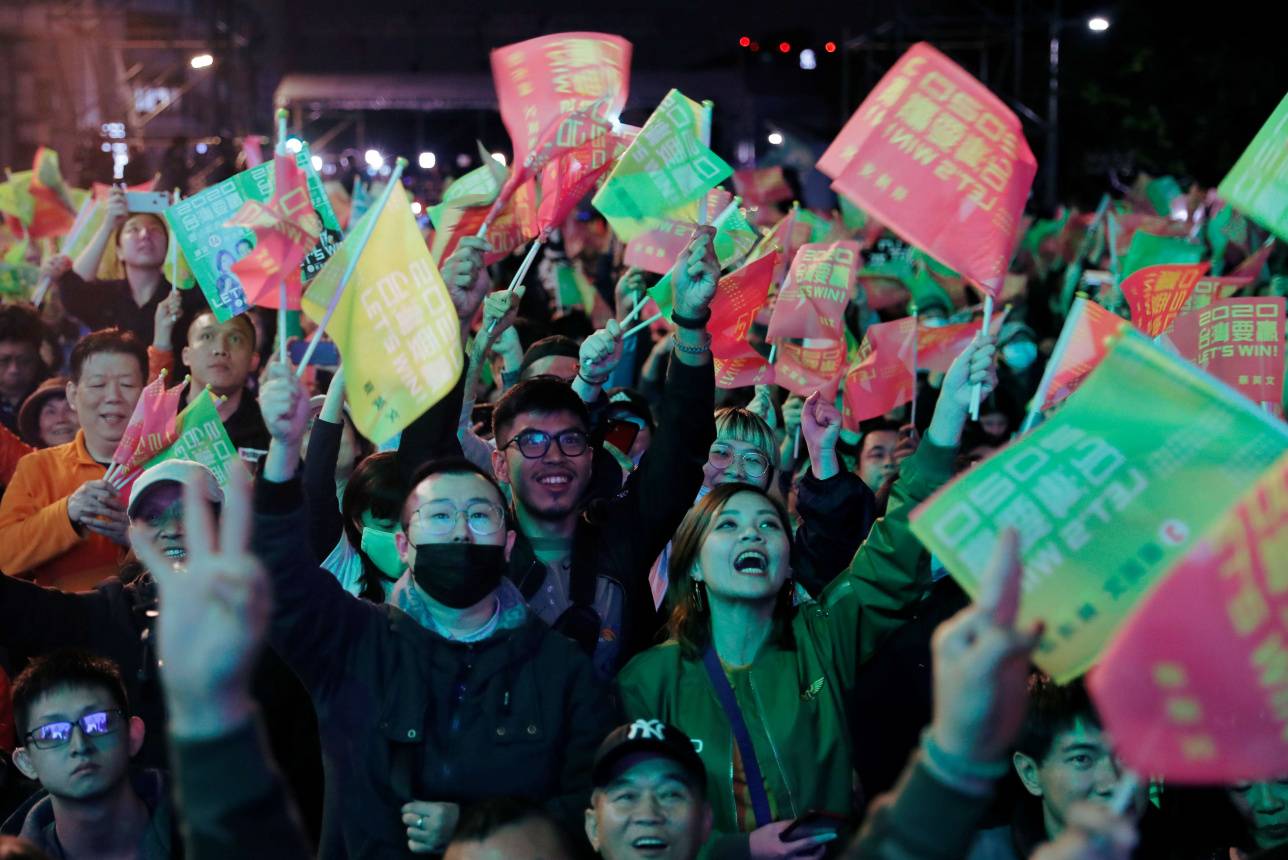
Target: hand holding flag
(976, 366)
(600, 354)
(696, 275)
(461, 274)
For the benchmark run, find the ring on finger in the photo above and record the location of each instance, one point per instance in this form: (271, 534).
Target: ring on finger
(420, 823)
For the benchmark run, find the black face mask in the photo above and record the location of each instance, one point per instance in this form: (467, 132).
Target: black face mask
(458, 575)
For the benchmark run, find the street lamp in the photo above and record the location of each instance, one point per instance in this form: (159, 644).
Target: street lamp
(202, 61)
(1051, 157)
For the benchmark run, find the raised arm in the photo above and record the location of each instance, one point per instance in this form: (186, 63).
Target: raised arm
(86, 265)
(872, 597)
(214, 613)
(325, 523)
(315, 623)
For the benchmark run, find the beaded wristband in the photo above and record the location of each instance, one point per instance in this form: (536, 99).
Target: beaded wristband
(692, 350)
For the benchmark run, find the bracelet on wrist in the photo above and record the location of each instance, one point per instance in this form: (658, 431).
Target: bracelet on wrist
(696, 322)
(691, 350)
(593, 383)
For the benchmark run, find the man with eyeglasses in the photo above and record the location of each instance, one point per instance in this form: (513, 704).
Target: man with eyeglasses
(76, 736)
(451, 692)
(582, 563)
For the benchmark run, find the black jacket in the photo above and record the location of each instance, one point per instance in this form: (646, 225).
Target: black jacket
(232, 800)
(620, 537)
(112, 620)
(408, 715)
(835, 517)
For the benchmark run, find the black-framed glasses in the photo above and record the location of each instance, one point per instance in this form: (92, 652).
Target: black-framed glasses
(96, 725)
(533, 444)
(438, 519)
(754, 463)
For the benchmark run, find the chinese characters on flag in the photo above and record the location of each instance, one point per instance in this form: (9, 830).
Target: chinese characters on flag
(940, 160)
(540, 79)
(1156, 294)
(286, 228)
(1239, 341)
(1193, 686)
(819, 284)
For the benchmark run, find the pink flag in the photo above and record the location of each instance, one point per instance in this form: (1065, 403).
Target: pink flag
(543, 78)
(939, 159)
(1252, 266)
(286, 229)
(1086, 338)
(739, 297)
(881, 378)
(761, 186)
(1192, 686)
(151, 428)
(1240, 342)
(747, 369)
(1156, 294)
(815, 365)
(658, 249)
(819, 284)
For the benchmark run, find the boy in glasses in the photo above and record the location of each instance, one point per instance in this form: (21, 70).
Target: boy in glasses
(76, 737)
(452, 691)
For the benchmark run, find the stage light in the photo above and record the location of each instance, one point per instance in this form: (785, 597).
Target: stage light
(202, 61)
(808, 60)
(1098, 24)
(416, 208)
(374, 159)
(830, 47)
(317, 163)
(427, 160)
(294, 145)
(775, 138)
(784, 47)
(499, 157)
(745, 42)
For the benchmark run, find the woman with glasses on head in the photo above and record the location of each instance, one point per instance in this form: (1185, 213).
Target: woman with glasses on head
(762, 682)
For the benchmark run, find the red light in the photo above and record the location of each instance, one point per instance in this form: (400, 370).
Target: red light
(745, 41)
(755, 46)
(784, 47)
(830, 47)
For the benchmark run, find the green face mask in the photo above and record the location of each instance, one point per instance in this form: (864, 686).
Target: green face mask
(381, 547)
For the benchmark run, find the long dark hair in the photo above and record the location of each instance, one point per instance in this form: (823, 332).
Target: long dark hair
(690, 621)
(374, 486)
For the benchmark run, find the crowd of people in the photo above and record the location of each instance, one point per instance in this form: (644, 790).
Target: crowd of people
(587, 604)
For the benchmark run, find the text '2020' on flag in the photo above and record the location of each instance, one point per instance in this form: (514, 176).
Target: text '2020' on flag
(939, 159)
(1106, 495)
(666, 168)
(542, 78)
(393, 322)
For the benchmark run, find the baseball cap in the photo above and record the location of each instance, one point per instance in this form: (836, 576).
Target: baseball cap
(176, 472)
(647, 736)
(631, 402)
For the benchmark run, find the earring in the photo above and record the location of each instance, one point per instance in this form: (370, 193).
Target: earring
(696, 596)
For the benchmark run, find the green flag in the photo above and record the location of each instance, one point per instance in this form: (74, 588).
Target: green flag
(1257, 185)
(202, 437)
(1161, 192)
(1107, 494)
(666, 168)
(852, 216)
(734, 238)
(1150, 249)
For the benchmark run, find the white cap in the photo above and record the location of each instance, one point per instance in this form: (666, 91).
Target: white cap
(178, 472)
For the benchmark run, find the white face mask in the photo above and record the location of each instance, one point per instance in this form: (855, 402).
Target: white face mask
(1020, 355)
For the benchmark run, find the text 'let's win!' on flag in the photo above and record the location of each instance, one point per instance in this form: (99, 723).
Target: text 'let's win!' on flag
(394, 322)
(1107, 495)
